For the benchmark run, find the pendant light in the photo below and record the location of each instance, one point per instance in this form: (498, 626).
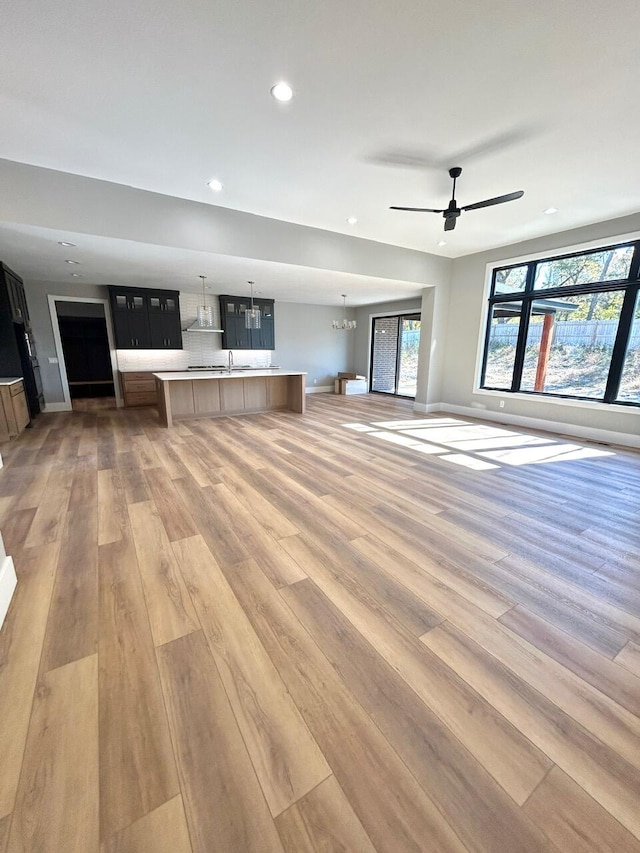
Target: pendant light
(205, 312)
(204, 315)
(344, 324)
(252, 317)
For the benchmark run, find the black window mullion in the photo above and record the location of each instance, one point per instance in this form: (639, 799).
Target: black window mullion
(485, 352)
(398, 355)
(623, 337)
(521, 343)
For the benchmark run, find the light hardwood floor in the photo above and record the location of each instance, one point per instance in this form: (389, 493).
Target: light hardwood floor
(354, 630)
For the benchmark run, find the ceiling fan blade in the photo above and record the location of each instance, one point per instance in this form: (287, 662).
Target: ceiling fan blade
(489, 202)
(417, 209)
(450, 223)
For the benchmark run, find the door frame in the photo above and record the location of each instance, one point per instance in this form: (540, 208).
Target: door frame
(415, 314)
(66, 406)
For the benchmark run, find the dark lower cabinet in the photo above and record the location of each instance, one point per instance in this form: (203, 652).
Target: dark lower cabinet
(235, 335)
(146, 319)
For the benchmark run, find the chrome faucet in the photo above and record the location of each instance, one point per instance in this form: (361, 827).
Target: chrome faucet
(230, 361)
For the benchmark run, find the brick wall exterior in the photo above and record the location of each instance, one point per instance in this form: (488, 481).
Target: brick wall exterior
(385, 347)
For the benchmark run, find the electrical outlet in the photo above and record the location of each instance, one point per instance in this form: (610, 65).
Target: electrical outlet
(53, 360)
(314, 381)
(502, 404)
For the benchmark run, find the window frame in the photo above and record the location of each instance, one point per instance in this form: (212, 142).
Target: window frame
(630, 286)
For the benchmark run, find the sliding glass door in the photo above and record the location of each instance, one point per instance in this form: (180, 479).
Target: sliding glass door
(394, 354)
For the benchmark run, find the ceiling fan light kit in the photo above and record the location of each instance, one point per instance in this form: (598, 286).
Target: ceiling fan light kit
(452, 211)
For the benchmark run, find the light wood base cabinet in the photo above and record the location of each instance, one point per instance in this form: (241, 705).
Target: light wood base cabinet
(14, 412)
(237, 395)
(138, 388)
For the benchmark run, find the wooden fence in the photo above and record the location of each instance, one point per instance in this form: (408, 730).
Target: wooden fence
(582, 333)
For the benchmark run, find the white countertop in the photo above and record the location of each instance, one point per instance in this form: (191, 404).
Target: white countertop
(10, 380)
(216, 374)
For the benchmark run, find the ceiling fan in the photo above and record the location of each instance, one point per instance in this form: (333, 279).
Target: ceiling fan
(453, 211)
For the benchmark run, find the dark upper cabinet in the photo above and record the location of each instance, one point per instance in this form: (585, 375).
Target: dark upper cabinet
(166, 332)
(264, 337)
(164, 302)
(232, 316)
(146, 319)
(17, 299)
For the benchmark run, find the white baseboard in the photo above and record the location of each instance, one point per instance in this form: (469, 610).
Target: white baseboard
(57, 407)
(606, 436)
(320, 389)
(426, 408)
(8, 583)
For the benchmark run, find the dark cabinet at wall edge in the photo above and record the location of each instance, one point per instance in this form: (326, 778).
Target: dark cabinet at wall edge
(235, 335)
(146, 319)
(17, 347)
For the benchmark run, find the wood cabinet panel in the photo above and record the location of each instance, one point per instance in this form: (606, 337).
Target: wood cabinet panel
(139, 388)
(141, 398)
(141, 385)
(21, 411)
(136, 376)
(14, 411)
(206, 397)
(278, 392)
(182, 398)
(255, 393)
(231, 395)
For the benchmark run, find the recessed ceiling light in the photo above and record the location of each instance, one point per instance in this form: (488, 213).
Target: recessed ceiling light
(72, 262)
(64, 243)
(442, 242)
(282, 91)
(215, 185)
(550, 210)
(76, 274)
(352, 220)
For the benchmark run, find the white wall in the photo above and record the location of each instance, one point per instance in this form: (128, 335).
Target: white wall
(306, 341)
(432, 353)
(464, 328)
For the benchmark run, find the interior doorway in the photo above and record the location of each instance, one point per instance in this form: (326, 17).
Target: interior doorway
(86, 353)
(85, 345)
(395, 341)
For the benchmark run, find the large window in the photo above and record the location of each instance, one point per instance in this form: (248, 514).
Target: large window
(567, 326)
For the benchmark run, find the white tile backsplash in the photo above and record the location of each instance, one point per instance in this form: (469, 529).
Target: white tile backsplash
(199, 347)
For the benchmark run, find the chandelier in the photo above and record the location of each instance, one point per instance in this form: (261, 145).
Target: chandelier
(344, 324)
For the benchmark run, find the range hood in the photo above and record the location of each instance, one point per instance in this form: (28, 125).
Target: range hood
(204, 320)
(198, 326)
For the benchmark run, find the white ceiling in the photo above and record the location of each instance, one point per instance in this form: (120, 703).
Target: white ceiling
(163, 96)
(103, 260)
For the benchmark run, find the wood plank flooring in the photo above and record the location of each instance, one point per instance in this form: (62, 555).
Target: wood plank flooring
(358, 629)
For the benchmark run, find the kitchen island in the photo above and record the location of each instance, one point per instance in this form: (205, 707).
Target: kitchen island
(215, 393)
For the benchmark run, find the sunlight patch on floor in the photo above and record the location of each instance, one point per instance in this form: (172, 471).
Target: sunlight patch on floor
(480, 443)
(548, 453)
(468, 461)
